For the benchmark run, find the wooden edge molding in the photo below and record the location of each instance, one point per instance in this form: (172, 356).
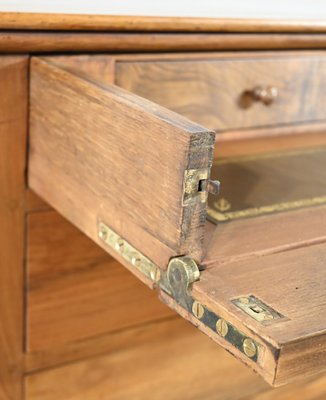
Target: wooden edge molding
(40, 42)
(75, 22)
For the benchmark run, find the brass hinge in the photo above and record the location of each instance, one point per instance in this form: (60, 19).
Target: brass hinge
(176, 281)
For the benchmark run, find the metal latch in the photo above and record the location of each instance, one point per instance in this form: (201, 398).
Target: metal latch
(197, 185)
(176, 281)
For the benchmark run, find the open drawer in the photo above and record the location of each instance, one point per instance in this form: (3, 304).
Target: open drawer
(135, 178)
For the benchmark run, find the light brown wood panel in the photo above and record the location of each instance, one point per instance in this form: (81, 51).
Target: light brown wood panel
(39, 21)
(54, 42)
(34, 202)
(104, 149)
(211, 92)
(307, 389)
(166, 366)
(174, 361)
(293, 283)
(276, 138)
(240, 239)
(97, 66)
(75, 290)
(94, 346)
(249, 237)
(13, 125)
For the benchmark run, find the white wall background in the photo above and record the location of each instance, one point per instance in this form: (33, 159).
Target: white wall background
(285, 9)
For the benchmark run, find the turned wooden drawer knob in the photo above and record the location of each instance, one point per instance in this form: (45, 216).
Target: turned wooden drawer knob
(263, 94)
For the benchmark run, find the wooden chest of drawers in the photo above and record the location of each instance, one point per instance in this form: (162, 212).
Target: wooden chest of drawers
(106, 163)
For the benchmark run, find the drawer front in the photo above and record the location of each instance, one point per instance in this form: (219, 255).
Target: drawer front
(230, 93)
(75, 290)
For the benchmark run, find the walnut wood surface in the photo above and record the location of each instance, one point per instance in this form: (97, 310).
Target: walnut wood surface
(112, 166)
(75, 290)
(232, 142)
(60, 42)
(176, 354)
(211, 91)
(13, 114)
(292, 283)
(39, 21)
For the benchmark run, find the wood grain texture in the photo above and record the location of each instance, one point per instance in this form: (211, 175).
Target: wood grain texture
(100, 67)
(75, 290)
(107, 343)
(210, 91)
(177, 354)
(39, 21)
(58, 42)
(292, 283)
(307, 389)
(232, 142)
(275, 138)
(250, 237)
(13, 126)
(109, 160)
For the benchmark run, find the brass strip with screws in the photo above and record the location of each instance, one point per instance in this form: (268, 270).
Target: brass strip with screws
(226, 330)
(128, 252)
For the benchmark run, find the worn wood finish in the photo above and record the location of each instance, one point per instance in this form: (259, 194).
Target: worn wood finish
(39, 21)
(241, 239)
(85, 165)
(41, 42)
(176, 352)
(293, 283)
(13, 114)
(212, 91)
(74, 295)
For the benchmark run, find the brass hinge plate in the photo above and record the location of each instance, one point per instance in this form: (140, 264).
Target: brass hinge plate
(176, 281)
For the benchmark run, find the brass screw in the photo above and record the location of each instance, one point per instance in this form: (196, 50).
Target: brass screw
(197, 309)
(103, 234)
(249, 347)
(135, 260)
(119, 244)
(222, 327)
(155, 274)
